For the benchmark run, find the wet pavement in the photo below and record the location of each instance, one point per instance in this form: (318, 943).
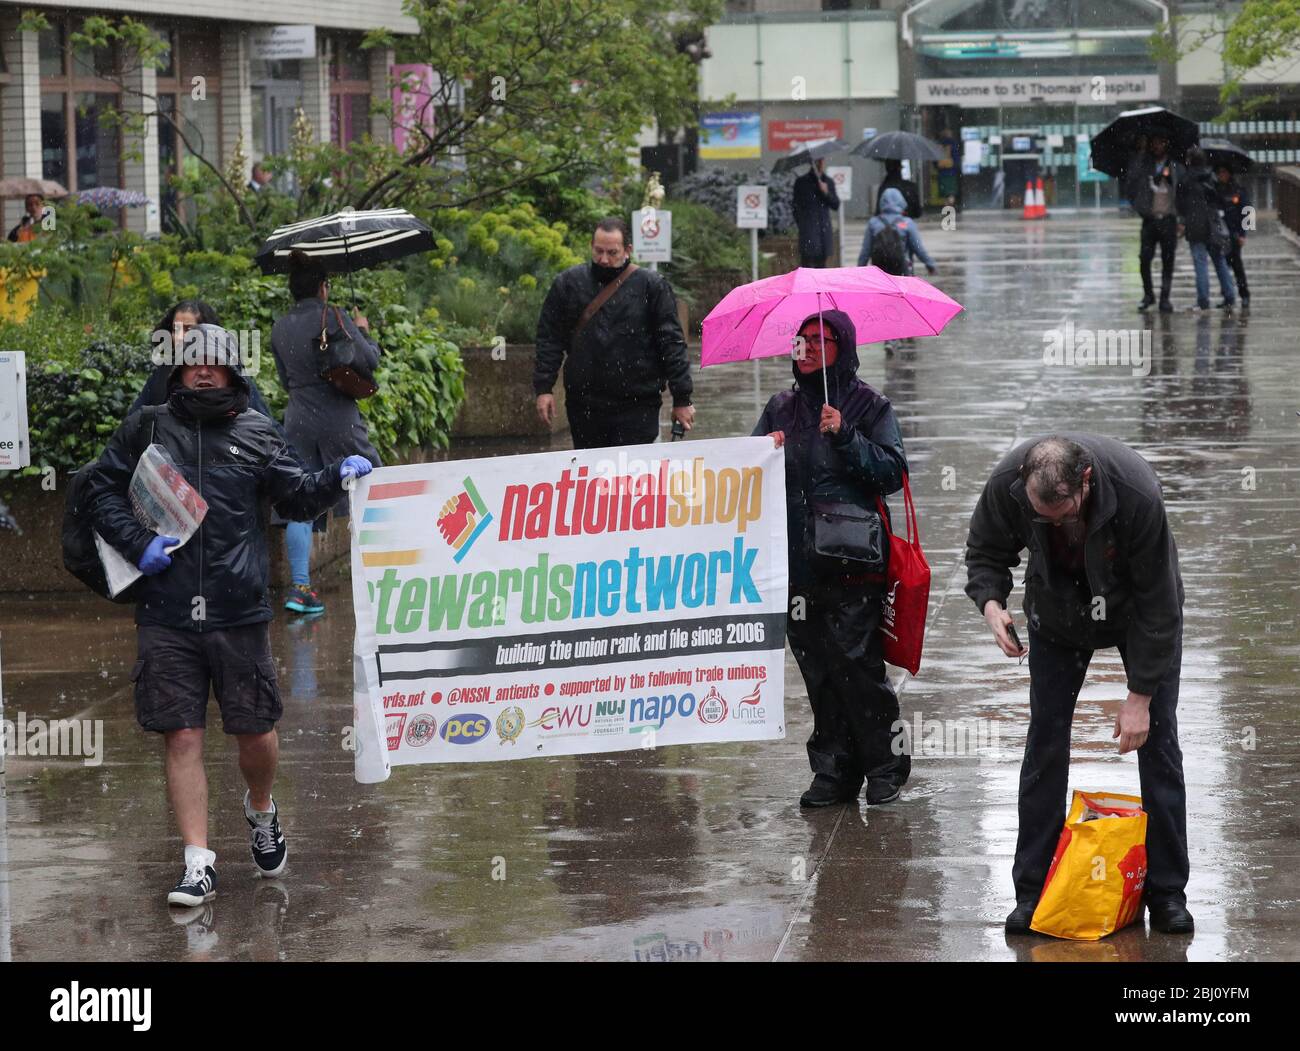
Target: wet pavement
(701, 852)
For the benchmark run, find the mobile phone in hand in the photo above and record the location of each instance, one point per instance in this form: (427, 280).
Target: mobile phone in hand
(1011, 633)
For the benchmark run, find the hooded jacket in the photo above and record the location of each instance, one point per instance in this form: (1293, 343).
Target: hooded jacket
(230, 460)
(863, 461)
(892, 206)
(1130, 560)
(628, 351)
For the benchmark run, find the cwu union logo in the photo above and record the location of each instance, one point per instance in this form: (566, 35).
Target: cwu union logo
(462, 519)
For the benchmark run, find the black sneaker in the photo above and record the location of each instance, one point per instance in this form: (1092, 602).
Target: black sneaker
(882, 790)
(197, 885)
(270, 851)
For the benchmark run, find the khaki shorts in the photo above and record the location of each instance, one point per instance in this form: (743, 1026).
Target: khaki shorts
(175, 670)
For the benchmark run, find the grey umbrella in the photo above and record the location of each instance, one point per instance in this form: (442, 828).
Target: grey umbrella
(899, 146)
(1220, 153)
(808, 152)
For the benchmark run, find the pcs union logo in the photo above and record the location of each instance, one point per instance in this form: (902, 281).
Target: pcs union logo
(462, 519)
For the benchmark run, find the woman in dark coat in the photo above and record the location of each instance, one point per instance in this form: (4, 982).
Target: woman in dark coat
(323, 424)
(169, 336)
(814, 199)
(843, 450)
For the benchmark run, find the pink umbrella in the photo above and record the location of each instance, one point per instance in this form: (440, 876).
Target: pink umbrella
(761, 319)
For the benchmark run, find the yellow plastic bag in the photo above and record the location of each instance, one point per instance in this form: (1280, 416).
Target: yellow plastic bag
(1094, 886)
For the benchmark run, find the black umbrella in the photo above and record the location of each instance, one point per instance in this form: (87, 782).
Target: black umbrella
(347, 241)
(1113, 147)
(899, 146)
(1220, 153)
(807, 152)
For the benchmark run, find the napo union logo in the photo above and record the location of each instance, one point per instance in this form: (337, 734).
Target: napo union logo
(465, 729)
(422, 730)
(510, 724)
(712, 708)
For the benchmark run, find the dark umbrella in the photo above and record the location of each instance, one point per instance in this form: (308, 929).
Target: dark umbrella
(347, 241)
(1220, 153)
(899, 146)
(1113, 147)
(808, 152)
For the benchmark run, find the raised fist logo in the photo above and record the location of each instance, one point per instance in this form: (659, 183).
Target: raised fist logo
(456, 518)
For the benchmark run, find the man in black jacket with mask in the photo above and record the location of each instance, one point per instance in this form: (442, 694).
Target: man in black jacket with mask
(618, 360)
(1103, 571)
(202, 609)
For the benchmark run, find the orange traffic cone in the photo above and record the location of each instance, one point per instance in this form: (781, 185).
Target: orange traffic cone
(1028, 211)
(1040, 200)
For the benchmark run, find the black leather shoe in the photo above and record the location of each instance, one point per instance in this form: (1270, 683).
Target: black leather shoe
(1018, 921)
(826, 791)
(881, 791)
(1147, 303)
(1170, 917)
(1166, 307)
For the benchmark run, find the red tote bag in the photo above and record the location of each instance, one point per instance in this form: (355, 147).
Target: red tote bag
(907, 591)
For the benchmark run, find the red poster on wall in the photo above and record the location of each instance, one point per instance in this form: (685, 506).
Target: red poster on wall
(782, 135)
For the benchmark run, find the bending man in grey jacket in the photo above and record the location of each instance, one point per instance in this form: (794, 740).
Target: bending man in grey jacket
(1103, 571)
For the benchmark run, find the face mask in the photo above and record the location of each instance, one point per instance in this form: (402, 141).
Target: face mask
(209, 403)
(605, 274)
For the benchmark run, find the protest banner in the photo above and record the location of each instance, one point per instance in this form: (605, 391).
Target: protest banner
(569, 602)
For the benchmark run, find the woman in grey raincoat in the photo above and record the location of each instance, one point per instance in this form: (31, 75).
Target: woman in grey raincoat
(322, 423)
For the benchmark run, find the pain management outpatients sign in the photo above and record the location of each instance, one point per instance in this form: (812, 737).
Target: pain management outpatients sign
(569, 602)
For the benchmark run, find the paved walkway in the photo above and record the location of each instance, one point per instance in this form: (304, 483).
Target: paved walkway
(700, 852)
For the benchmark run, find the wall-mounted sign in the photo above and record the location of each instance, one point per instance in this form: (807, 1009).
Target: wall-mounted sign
(730, 136)
(1110, 90)
(784, 135)
(274, 43)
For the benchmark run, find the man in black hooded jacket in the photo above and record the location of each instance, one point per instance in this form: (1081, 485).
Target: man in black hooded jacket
(617, 364)
(845, 449)
(1103, 571)
(202, 609)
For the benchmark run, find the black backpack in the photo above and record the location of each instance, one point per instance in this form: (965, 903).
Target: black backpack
(80, 555)
(888, 251)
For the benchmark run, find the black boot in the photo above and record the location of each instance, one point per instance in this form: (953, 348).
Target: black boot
(827, 791)
(1021, 915)
(1170, 917)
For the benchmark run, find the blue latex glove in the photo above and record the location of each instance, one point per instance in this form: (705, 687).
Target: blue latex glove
(155, 559)
(355, 467)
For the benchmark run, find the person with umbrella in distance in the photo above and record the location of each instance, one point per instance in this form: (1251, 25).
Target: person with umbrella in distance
(1201, 221)
(1151, 184)
(894, 180)
(843, 450)
(322, 422)
(814, 200)
(35, 214)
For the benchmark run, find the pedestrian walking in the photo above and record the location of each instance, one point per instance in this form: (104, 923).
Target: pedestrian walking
(842, 453)
(894, 180)
(202, 610)
(814, 200)
(892, 240)
(1201, 220)
(1103, 572)
(1235, 204)
(1151, 184)
(613, 328)
(322, 423)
